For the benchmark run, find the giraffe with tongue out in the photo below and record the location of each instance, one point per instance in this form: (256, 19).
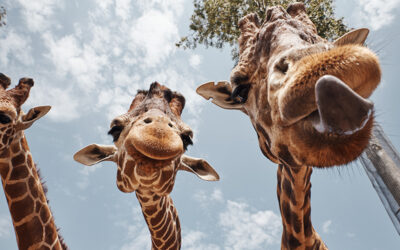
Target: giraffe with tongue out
(306, 99)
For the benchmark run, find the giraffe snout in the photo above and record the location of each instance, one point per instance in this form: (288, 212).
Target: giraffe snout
(156, 137)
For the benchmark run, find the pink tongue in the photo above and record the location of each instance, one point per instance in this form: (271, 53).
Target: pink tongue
(341, 110)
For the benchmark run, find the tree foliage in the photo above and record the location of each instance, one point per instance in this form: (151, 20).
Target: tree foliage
(215, 22)
(2, 16)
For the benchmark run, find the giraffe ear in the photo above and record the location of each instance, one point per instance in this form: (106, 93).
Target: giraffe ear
(199, 167)
(95, 153)
(32, 116)
(357, 36)
(220, 94)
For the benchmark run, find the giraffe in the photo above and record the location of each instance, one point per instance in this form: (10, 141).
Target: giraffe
(306, 99)
(32, 219)
(150, 141)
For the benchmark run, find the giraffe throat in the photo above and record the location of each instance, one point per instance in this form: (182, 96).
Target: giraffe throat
(137, 172)
(162, 220)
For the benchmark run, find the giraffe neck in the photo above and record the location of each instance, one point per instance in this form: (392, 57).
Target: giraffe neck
(32, 219)
(162, 219)
(294, 193)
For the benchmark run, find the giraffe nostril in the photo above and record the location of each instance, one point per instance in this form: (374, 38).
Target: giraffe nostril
(170, 124)
(147, 120)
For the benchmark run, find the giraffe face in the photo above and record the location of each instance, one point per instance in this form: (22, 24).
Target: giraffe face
(12, 119)
(304, 95)
(150, 140)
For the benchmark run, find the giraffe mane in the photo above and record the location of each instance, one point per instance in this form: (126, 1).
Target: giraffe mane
(45, 189)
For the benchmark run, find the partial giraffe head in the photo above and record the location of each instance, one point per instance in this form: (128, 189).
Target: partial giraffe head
(12, 118)
(149, 144)
(304, 95)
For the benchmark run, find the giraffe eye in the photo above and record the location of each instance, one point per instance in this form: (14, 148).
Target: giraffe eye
(115, 132)
(4, 119)
(187, 140)
(240, 94)
(282, 66)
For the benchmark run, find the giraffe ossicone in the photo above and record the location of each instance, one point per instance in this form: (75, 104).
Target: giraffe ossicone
(31, 216)
(306, 98)
(149, 145)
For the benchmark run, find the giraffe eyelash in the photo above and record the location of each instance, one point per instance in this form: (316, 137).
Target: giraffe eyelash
(186, 141)
(240, 93)
(115, 132)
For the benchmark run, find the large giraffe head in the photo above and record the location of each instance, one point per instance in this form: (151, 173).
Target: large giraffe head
(304, 95)
(12, 118)
(149, 144)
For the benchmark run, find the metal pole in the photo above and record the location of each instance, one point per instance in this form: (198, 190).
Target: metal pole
(381, 162)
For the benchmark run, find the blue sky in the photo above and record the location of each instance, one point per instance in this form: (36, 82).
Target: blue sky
(88, 58)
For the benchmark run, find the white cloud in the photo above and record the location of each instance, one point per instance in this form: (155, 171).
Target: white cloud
(242, 226)
(123, 8)
(217, 195)
(115, 100)
(141, 240)
(195, 60)
(6, 226)
(155, 34)
(326, 227)
(194, 240)
(64, 102)
(174, 6)
(377, 13)
(85, 172)
(81, 61)
(247, 229)
(205, 198)
(38, 14)
(15, 46)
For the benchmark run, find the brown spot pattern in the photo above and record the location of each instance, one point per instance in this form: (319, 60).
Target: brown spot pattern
(26, 237)
(22, 208)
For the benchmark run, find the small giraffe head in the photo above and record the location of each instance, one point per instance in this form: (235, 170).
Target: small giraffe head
(12, 119)
(150, 141)
(304, 95)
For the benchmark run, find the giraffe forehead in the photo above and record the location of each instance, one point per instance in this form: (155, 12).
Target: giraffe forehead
(7, 104)
(280, 31)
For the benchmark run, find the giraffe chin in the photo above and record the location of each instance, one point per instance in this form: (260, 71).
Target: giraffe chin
(331, 149)
(154, 150)
(159, 155)
(338, 130)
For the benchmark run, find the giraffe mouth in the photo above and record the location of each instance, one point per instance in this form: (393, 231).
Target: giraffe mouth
(157, 142)
(340, 110)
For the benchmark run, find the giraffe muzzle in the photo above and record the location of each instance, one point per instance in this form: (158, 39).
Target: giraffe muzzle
(354, 68)
(156, 137)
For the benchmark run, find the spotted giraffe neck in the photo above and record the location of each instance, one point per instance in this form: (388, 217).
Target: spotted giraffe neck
(32, 219)
(294, 194)
(162, 220)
